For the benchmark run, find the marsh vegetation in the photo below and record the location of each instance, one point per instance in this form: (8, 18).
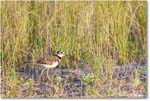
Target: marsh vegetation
(98, 36)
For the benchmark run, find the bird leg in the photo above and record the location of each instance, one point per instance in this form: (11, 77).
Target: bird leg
(48, 73)
(50, 79)
(42, 73)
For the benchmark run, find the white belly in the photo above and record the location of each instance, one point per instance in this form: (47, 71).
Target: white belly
(50, 66)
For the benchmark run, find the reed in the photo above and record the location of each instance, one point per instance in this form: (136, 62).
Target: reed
(99, 33)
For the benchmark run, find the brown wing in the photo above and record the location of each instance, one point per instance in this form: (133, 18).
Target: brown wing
(48, 60)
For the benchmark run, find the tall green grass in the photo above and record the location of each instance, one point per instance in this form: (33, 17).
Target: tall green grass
(99, 33)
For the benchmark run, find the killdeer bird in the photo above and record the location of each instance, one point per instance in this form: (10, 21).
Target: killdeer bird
(49, 62)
